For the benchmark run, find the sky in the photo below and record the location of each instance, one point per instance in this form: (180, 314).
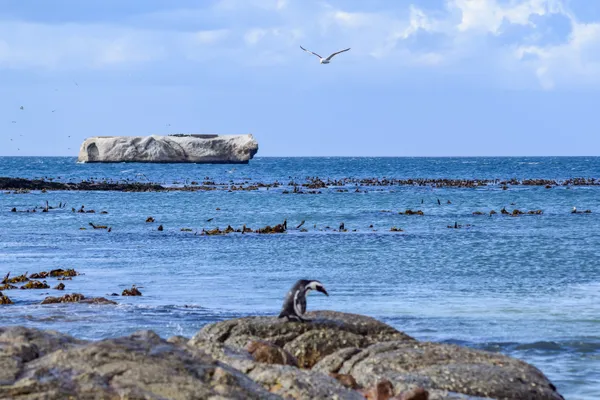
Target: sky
(422, 78)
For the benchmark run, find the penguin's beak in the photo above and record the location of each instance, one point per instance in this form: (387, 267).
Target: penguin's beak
(322, 290)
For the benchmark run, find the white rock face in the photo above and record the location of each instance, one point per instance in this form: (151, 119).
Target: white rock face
(222, 149)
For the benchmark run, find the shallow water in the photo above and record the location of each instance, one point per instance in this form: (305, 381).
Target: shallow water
(527, 286)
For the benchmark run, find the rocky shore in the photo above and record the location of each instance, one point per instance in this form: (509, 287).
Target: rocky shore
(20, 184)
(335, 356)
(312, 185)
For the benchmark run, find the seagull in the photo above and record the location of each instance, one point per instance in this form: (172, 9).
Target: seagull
(328, 59)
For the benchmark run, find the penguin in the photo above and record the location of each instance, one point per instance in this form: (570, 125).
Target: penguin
(294, 305)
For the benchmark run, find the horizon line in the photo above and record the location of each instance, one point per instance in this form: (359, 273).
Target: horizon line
(334, 156)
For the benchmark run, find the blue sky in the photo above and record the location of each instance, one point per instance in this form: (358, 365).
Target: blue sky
(423, 78)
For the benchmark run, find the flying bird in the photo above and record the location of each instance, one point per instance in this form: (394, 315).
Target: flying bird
(294, 305)
(325, 60)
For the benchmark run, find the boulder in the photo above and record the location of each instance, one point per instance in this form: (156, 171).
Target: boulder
(328, 332)
(140, 366)
(20, 345)
(293, 383)
(441, 368)
(371, 352)
(283, 380)
(341, 356)
(268, 353)
(228, 149)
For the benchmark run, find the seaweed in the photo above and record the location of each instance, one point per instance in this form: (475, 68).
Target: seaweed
(16, 279)
(67, 298)
(35, 285)
(98, 226)
(5, 299)
(411, 212)
(131, 292)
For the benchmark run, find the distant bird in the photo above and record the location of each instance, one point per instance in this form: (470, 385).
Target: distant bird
(53, 110)
(21, 108)
(14, 122)
(294, 305)
(328, 59)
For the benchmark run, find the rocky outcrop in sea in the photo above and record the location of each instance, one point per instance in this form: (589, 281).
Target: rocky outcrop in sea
(217, 149)
(335, 356)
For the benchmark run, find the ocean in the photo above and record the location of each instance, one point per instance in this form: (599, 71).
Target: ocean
(526, 285)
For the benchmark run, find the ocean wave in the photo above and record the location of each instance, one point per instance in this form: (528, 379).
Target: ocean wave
(583, 346)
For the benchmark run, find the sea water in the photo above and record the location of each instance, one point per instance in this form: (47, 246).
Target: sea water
(526, 286)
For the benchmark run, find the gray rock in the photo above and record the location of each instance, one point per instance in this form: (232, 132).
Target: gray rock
(344, 355)
(283, 380)
(20, 345)
(441, 367)
(140, 366)
(169, 149)
(294, 383)
(328, 332)
(269, 353)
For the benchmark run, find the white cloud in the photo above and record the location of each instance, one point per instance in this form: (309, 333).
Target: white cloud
(253, 36)
(489, 15)
(471, 37)
(212, 36)
(72, 46)
(577, 60)
(233, 5)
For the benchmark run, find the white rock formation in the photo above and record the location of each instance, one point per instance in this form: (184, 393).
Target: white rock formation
(225, 149)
